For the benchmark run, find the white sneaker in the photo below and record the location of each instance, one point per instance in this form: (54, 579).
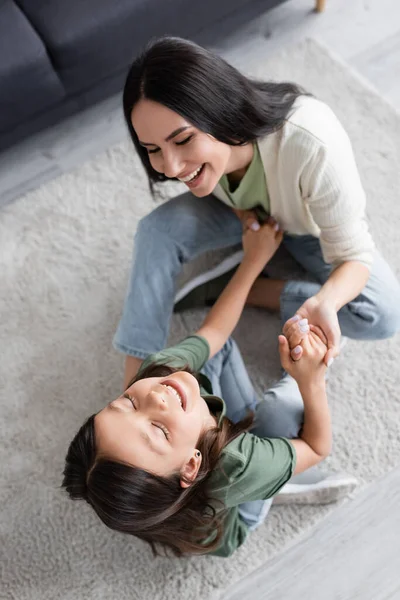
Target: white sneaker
(324, 489)
(207, 267)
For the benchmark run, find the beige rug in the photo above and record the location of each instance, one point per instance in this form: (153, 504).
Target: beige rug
(65, 252)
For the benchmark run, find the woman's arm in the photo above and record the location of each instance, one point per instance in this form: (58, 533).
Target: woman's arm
(258, 246)
(332, 191)
(344, 284)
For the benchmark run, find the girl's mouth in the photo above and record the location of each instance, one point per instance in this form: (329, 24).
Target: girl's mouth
(179, 391)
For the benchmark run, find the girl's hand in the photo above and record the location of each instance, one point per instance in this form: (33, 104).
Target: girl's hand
(311, 367)
(259, 245)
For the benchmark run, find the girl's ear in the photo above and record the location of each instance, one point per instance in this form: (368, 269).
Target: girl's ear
(190, 469)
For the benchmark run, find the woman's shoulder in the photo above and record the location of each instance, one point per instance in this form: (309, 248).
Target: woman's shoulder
(312, 118)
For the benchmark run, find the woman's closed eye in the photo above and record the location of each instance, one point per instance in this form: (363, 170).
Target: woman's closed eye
(182, 143)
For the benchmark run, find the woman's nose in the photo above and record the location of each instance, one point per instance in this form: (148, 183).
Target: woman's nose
(172, 166)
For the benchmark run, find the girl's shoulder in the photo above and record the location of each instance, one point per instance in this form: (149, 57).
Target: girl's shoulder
(252, 463)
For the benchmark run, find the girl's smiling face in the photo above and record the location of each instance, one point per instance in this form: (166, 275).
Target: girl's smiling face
(179, 150)
(156, 425)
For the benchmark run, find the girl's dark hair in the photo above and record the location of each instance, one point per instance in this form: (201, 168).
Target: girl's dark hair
(207, 91)
(153, 508)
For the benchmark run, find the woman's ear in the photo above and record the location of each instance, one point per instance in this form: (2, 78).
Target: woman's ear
(190, 469)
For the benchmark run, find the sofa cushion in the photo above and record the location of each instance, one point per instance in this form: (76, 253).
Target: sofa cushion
(28, 82)
(92, 39)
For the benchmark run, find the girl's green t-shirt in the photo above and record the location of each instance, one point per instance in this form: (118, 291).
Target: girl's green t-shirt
(250, 467)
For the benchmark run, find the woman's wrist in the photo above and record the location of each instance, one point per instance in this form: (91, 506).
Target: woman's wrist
(343, 285)
(328, 297)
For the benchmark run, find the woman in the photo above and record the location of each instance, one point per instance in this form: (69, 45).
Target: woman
(241, 145)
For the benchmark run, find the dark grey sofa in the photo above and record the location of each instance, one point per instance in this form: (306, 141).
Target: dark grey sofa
(60, 56)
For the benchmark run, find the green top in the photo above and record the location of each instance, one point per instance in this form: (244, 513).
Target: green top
(252, 190)
(250, 467)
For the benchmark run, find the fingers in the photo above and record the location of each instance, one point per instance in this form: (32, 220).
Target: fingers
(284, 352)
(318, 331)
(252, 224)
(289, 323)
(296, 353)
(297, 332)
(250, 221)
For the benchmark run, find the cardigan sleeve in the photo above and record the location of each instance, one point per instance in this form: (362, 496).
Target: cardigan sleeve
(332, 190)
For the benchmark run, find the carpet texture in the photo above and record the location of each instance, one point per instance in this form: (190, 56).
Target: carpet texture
(65, 254)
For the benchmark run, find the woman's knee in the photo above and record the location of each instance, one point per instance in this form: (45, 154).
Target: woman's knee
(195, 225)
(371, 320)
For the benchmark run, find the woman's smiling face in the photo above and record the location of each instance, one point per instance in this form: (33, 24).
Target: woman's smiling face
(179, 150)
(156, 425)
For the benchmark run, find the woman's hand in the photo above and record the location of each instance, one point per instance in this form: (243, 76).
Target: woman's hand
(311, 368)
(259, 245)
(320, 313)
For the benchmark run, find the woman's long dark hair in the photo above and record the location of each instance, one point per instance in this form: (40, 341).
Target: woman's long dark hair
(153, 508)
(207, 91)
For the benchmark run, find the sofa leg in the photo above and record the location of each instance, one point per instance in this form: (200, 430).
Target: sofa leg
(320, 5)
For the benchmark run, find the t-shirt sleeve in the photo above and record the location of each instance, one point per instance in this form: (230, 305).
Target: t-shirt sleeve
(193, 352)
(253, 468)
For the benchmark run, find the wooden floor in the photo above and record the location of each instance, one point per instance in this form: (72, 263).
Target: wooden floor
(354, 554)
(365, 33)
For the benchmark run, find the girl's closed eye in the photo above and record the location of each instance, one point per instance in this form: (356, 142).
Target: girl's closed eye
(128, 397)
(163, 429)
(159, 426)
(182, 143)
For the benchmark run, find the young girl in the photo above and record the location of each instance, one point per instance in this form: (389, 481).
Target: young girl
(171, 463)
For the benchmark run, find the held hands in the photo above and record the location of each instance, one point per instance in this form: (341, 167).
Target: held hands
(323, 315)
(260, 242)
(310, 369)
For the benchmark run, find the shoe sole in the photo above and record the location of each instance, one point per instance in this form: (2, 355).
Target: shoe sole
(324, 492)
(223, 267)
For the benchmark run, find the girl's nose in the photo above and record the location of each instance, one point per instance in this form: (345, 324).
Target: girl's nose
(156, 398)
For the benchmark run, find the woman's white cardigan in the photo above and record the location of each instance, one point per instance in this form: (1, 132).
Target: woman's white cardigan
(313, 183)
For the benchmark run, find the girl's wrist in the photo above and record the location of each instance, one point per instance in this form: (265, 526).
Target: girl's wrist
(312, 385)
(253, 266)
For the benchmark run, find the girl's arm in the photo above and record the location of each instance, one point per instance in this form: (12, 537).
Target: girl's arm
(315, 439)
(258, 246)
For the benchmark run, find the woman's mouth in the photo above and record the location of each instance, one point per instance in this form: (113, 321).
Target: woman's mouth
(194, 179)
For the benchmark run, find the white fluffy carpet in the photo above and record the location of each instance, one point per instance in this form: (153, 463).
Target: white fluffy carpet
(65, 253)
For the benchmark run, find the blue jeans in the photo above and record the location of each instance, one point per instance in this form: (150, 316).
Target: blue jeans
(185, 227)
